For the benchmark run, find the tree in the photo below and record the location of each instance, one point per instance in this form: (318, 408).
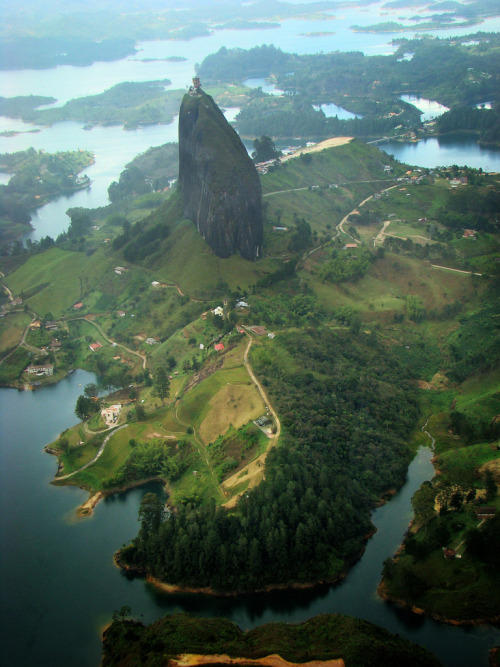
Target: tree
(84, 407)
(161, 383)
(140, 413)
(91, 390)
(265, 149)
(122, 614)
(490, 484)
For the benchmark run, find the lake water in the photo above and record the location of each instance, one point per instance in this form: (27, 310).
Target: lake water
(429, 108)
(330, 110)
(459, 149)
(58, 584)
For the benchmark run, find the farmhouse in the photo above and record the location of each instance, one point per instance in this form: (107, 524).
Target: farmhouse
(35, 325)
(487, 512)
(258, 331)
(77, 306)
(95, 346)
(40, 370)
(111, 414)
(219, 347)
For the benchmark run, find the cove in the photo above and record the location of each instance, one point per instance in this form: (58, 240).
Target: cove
(58, 584)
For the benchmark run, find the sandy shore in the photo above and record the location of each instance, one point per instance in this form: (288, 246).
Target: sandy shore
(192, 659)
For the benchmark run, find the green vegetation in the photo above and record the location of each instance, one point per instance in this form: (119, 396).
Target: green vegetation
(324, 637)
(314, 495)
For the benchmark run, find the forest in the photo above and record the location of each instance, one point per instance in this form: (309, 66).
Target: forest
(346, 414)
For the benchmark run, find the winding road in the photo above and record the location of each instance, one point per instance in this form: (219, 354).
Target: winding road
(99, 453)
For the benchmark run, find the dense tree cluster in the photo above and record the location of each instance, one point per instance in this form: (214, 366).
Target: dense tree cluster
(345, 413)
(155, 458)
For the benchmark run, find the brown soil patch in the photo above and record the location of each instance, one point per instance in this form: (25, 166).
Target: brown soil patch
(329, 143)
(190, 659)
(253, 473)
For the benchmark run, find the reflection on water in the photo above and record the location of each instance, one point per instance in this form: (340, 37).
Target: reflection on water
(429, 108)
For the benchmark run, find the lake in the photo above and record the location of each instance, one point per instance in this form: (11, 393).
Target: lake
(459, 149)
(58, 584)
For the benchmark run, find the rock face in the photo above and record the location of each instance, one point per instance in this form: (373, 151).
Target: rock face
(220, 187)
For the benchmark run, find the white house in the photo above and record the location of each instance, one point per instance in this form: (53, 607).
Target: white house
(111, 414)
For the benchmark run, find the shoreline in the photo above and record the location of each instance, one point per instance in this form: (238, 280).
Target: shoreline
(165, 587)
(457, 622)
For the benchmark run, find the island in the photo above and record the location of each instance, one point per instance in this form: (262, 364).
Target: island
(38, 177)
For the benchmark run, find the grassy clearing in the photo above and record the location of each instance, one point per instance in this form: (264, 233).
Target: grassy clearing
(232, 405)
(462, 466)
(196, 405)
(12, 327)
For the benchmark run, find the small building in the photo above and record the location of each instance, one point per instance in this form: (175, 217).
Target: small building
(51, 326)
(218, 311)
(48, 369)
(77, 306)
(449, 553)
(350, 246)
(219, 347)
(202, 347)
(55, 344)
(95, 346)
(111, 414)
(486, 512)
(151, 341)
(258, 330)
(155, 283)
(271, 335)
(469, 234)
(36, 324)
(121, 313)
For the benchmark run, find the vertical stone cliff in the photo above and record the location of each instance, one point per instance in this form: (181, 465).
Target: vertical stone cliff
(220, 186)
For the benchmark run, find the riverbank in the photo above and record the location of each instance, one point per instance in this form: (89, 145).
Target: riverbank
(458, 622)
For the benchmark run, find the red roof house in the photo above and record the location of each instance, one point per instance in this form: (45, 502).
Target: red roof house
(77, 306)
(219, 347)
(95, 346)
